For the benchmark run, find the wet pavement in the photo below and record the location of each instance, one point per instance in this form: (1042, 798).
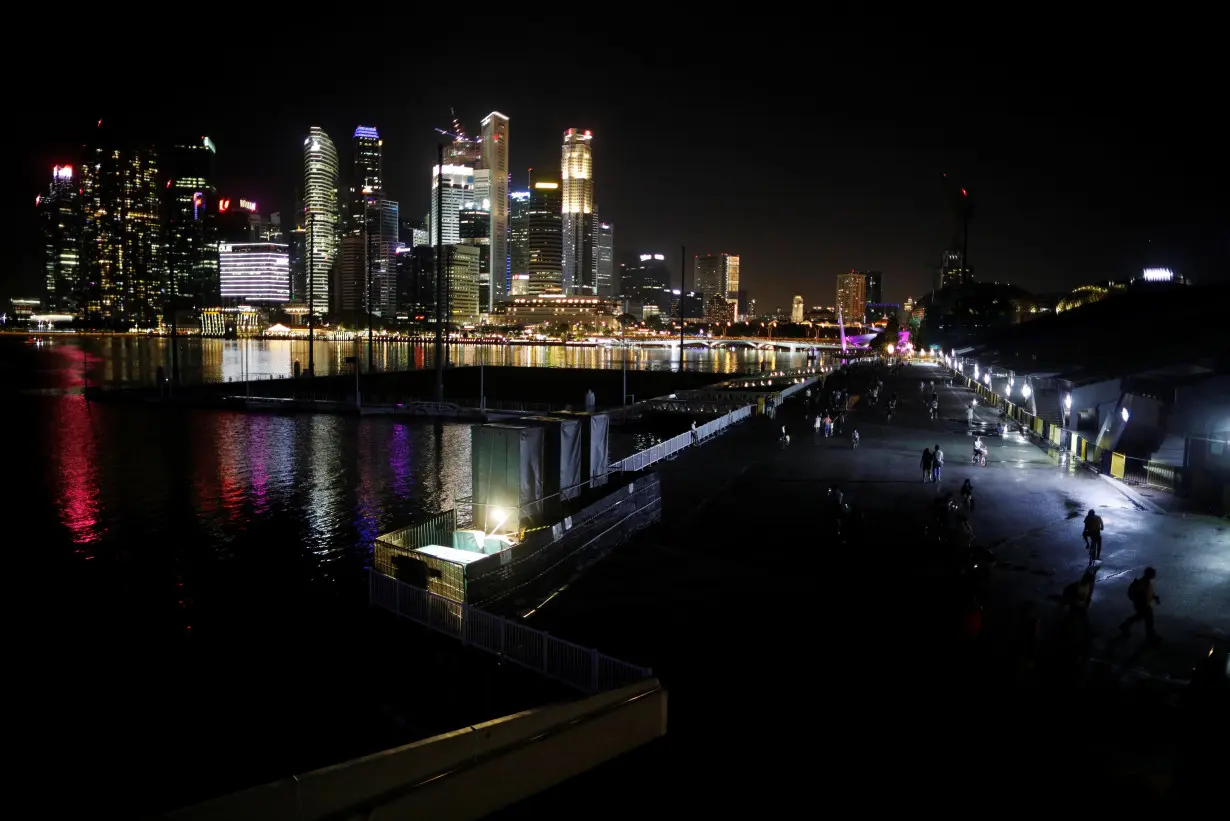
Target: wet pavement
(781, 644)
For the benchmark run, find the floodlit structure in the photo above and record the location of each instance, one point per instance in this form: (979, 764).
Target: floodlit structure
(321, 214)
(579, 229)
(255, 272)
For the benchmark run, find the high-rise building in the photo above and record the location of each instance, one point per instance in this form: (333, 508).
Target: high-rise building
(123, 271)
(321, 215)
(495, 160)
(544, 240)
(461, 276)
(605, 279)
(458, 190)
(579, 233)
(717, 275)
(875, 286)
(852, 296)
(518, 243)
(60, 212)
(366, 176)
(255, 272)
(952, 272)
(416, 283)
(796, 309)
(646, 283)
(348, 283)
(190, 228)
(382, 229)
(474, 228)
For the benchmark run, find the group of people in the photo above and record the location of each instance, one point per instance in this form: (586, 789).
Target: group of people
(932, 464)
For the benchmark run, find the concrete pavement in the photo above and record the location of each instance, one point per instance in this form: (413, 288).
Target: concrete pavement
(767, 632)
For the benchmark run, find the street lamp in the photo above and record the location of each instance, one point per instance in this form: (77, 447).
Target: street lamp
(1025, 390)
(1067, 408)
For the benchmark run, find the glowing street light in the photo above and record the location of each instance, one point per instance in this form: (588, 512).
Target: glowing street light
(891, 348)
(986, 378)
(1025, 390)
(1123, 412)
(1067, 402)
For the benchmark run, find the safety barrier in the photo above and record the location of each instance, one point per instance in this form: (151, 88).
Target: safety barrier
(513, 641)
(1128, 469)
(672, 446)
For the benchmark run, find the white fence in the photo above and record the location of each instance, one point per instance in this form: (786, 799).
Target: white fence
(668, 449)
(580, 667)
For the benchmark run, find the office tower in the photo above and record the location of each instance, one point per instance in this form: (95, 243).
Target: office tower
(464, 150)
(122, 254)
(852, 296)
(495, 160)
(544, 240)
(255, 272)
(348, 282)
(518, 243)
(235, 220)
(796, 309)
(875, 286)
(190, 229)
(605, 251)
(321, 215)
(644, 285)
(474, 228)
(952, 272)
(60, 212)
(458, 190)
(717, 275)
(416, 283)
(382, 229)
(366, 176)
(461, 277)
(577, 176)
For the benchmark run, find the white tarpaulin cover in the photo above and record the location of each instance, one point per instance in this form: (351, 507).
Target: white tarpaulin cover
(506, 462)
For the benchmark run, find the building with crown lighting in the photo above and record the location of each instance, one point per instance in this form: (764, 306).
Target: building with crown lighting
(577, 203)
(59, 211)
(190, 228)
(122, 268)
(495, 148)
(544, 240)
(321, 213)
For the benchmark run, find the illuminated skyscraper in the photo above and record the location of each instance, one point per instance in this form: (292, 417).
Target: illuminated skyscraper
(495, 160)
(518, 243)
(579, 233)
(605, 279)
(60, 212)
(190, 230)
(852, 296)
(255, 272)
(458, 190)
(321, 214)
(366, 177)
(544, 245)
(461, 279)
(123, 276)
(717, 275)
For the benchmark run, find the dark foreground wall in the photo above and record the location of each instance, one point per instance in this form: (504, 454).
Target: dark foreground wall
(555, 386)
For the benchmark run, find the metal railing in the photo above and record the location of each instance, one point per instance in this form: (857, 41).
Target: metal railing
(436, 530)
(672, 446)
(1128, 469)
(574, 665)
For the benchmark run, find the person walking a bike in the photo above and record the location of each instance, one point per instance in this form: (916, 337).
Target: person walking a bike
(1093, 536)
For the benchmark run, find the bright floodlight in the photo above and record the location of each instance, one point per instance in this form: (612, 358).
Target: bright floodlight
(1067, 401)
(1157, 275)
(986, 377)
(890, 349)
(1026, 390)
(1124, 413)
(500, 515)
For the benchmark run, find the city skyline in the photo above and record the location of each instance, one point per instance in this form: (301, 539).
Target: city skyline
(1053, 212)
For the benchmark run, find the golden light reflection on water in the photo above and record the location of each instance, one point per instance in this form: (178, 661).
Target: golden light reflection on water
(118, 360)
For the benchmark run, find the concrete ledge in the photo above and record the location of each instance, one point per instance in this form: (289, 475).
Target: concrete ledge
(1134, 497)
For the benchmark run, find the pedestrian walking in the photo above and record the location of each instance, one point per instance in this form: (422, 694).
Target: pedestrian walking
(828, 425)
(819, 423)
(1143, 596)
(928, 462)
(937, 463)
(1093, 536)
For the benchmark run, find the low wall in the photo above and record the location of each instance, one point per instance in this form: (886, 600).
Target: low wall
(465, 774)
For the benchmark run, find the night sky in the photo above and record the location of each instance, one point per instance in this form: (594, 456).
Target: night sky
(1085, 161)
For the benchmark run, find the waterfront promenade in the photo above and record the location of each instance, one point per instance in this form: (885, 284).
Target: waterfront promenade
(796, 665)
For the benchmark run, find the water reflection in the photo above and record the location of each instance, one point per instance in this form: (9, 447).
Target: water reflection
(121, 360)
(75, 471)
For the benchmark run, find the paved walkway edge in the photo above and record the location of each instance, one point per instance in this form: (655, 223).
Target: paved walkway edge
(1134, 497)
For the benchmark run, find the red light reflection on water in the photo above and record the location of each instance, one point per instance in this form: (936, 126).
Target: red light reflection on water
(76, 455)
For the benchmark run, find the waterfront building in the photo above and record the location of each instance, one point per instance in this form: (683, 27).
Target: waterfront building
(458, 182)
(577, 202)
(646, 283)
(190, 226)
(495, 147)
(518, 243)
(461, 264)
(796, 309)
(416, 284)
(605, 251)
(556, 308)
(60, 213)
(852, 296)
(321, 215)
(717, 275)
(122, 251)
(255, 272)
(233, 321)
(544, 240)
